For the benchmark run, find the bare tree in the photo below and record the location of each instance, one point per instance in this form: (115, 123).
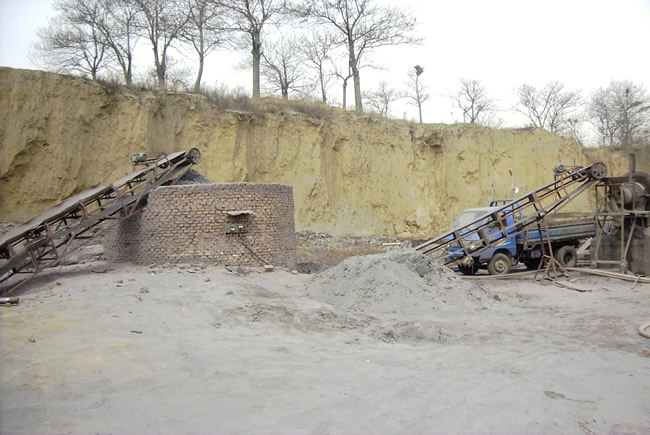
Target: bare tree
(281, 65)
(162, 22)
(362, 26)
(344, 75)
(492, 120)
(93, 33)
(417, 93)
(381, 99)
(574, 128)
(119, 25)
(604, 118)
(550, 107)
(178, 75)
(620, 113)
(473, 101)
(73, 41)
(317, 54)
(69, 50)
(204, 31)
(249, 18)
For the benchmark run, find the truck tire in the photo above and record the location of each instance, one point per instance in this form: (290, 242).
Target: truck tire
(468, 270)
(567, 256)
(499, 264)
(532, 263)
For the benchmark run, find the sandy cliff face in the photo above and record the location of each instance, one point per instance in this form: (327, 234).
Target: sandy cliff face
(352, 174)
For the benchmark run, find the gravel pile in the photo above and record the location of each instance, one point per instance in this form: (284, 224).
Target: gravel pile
(401, 281)
(323, 240)
(193, 177)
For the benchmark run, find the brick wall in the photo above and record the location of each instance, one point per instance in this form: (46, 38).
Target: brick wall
(189, 223)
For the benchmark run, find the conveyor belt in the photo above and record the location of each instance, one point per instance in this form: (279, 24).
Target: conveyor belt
(42, 242)
(530, 210)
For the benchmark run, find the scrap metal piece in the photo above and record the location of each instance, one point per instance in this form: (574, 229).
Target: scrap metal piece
(9, 301)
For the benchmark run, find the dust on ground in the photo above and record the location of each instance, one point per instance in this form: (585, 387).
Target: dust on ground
(386, 344)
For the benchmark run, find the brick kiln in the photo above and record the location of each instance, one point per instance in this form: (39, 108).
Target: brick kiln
(232, 224)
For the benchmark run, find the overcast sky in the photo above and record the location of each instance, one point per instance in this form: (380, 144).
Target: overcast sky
(583, 44)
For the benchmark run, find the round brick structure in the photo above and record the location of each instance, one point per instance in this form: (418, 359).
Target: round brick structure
(231, 224)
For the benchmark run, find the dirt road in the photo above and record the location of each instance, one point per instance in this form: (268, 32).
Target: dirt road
(120, 349)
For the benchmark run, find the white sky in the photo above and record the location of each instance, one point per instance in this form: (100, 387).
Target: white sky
(583, 44)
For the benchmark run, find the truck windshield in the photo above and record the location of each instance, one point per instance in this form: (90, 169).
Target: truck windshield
(469, 216)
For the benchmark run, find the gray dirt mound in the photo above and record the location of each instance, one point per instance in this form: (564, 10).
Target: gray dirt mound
(401, 281)
(193, 176)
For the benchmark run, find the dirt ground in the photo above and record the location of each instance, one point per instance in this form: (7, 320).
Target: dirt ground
(99, 348)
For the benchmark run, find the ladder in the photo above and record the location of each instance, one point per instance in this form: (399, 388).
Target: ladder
(43, 242)
(530, 210)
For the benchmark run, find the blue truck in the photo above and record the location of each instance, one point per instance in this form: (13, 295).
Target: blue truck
(565, 234)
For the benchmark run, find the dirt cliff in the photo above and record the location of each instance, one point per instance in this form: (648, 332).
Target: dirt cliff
(352, 174)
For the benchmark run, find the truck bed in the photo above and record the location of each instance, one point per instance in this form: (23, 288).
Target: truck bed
(559, 229)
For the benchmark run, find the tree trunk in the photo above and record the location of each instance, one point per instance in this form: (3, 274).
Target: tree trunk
(357, 91)
(201, 52)
(356, 79)
(285, 89)
(128, 74)
(197, 84)
(161, 75)
(257, 54)
(417, 95)
(125, 62)
(322, 87)
(345, 94)
(160, 69)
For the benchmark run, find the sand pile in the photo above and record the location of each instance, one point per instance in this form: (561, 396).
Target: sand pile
(401, 281)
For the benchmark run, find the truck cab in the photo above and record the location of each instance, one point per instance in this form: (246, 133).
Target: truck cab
(497, 258)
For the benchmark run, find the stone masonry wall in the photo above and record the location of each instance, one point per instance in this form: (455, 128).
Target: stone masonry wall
(190, 223)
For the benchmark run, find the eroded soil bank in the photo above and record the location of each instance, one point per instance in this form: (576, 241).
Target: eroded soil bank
(353, 175)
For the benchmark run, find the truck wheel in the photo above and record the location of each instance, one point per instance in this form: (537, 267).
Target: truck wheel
(468, 270)
(499, 264)
(567, 256)
(533, 263)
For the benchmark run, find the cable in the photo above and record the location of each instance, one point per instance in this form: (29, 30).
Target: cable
(642, 329)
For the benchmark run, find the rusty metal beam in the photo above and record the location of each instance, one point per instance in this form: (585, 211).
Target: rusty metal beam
(31, 247)
(527, 211)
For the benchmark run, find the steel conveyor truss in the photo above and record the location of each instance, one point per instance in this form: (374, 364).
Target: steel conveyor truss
(43, 242)
(528, 212)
